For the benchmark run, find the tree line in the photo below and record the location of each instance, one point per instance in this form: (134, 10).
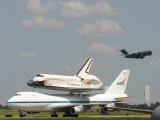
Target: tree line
(152, 106)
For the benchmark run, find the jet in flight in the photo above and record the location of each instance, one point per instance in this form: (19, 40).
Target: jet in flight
(81, 82)
(138, 55)
(71, 105)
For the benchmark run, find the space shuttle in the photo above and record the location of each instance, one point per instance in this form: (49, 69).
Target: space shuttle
(81, 82)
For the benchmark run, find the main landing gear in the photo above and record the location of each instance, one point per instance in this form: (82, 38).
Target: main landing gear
(104, 110)
(54, 114)
(22, 114)
(69, 114)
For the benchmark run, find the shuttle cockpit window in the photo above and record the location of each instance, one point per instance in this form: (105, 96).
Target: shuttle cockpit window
(39, 75)
(18, 94)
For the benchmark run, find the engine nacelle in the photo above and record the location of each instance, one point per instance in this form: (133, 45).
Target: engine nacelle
(77, 109)
(110, 105)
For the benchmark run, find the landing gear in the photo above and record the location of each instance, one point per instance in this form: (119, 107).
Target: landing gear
(54, 114)
(74, 115)
(69, 114)
(22, 114)
(104, 110)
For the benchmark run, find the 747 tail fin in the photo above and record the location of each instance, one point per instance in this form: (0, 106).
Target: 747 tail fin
(86, 68)
(119, 85)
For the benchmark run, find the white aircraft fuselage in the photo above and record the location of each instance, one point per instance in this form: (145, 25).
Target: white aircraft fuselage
(81, 82)
(38, 102)
(66, 83)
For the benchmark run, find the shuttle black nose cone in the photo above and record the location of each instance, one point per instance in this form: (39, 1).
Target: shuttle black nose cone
(29, 83)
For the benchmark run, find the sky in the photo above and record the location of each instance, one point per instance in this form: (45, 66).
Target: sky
(57, 36)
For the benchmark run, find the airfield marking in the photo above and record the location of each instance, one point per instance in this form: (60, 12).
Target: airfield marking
(90, 116)
(116, 116)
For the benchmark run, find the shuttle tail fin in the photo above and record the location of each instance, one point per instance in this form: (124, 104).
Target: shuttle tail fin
(85, 68)
(120, 83)
(124, 52)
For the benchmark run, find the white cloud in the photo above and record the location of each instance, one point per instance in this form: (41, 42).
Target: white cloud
(78, 9)
(102, 27)
(74, 9)
(43, 11)
(27, 54)
(103, 8)
(39, 8)
(101, 48)
(40, 21)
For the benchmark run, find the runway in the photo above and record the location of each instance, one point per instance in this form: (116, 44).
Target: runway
(117, 116)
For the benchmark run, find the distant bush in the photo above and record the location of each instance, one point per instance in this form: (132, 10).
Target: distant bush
(152, 106)
(4, 107)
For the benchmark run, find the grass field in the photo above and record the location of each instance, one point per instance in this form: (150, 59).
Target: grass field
(89, 115)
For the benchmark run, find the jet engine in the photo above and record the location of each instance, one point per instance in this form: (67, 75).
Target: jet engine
(110, 105)
(77, 109)
(107, 108)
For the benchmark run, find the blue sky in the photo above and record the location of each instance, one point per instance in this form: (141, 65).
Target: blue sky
(57, 36)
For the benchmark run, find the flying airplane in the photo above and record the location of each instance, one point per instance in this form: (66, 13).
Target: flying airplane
(81, 82)
(71, 105)
(138, 55)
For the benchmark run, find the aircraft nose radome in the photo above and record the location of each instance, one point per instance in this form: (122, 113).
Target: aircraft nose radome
(9, 101)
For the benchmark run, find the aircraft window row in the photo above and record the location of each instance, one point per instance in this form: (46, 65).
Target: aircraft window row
(39, 75)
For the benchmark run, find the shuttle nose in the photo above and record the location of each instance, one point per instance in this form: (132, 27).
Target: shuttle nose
(30, 82)
(33, 83)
